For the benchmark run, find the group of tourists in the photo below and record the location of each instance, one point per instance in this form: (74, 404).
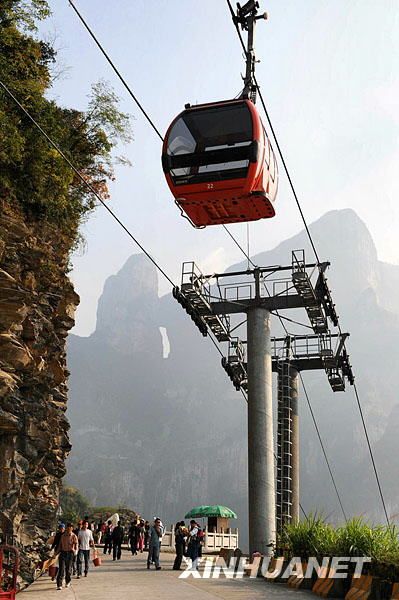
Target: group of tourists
(140, 536)
(137, 536)
(188, 542)
(73, 545)
(143, 536)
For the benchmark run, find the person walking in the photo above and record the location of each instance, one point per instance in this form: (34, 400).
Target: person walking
(99, 531)
(132, 535)
(146, 534)
(86, 541)
(117, 539)
(140, 535)
(180, 543)
(56, 541)
(103, 529)
(108, 538)
(75, 556)
(193, 542)
(154, 546)
(90, 524)
(67, 548)
(201, 540)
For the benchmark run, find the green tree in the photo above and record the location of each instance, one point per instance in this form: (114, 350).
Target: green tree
(25, 13)
(73, 504)
(31, 171)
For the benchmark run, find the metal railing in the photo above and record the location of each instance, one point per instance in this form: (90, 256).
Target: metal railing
(213, 541)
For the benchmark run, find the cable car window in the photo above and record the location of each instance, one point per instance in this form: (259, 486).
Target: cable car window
(221, 146)
(224, 134)
(181, 141)
(234, 164)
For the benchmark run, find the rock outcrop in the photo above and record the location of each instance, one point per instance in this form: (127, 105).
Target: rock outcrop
(37, 305)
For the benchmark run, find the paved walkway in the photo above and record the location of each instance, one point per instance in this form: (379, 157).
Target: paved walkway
(129, 579)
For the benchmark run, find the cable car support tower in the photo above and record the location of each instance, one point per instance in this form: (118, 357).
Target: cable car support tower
(211, 301)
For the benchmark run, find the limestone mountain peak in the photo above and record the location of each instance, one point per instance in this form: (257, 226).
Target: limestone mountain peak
(128, 305)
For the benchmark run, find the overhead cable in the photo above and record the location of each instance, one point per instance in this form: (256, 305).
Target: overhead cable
(322, 447)
(237, 243)
(116, 70)
(371, 455)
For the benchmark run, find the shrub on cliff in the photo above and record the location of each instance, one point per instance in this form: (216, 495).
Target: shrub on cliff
(31, 172)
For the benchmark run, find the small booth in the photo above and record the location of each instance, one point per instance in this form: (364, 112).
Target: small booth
(218, 533)
(218, 517)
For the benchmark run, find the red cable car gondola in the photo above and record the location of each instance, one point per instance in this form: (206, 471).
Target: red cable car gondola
(219, 163)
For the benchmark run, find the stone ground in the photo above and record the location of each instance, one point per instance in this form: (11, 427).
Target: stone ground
(129, 579)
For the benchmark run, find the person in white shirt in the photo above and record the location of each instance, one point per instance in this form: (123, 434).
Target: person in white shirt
(86, 541)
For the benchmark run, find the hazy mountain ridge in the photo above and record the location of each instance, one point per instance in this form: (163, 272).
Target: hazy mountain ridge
(165, 434)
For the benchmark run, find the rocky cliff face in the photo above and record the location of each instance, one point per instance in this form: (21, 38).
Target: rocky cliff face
(37, 304)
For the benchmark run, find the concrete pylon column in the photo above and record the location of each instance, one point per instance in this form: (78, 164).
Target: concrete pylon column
(261, 479)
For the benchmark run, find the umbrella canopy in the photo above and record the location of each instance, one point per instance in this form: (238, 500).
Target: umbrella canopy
(211, 511)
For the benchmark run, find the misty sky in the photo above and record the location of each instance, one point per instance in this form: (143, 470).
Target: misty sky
(329, 72)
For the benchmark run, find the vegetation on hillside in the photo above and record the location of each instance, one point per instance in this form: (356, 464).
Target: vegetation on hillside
(32, 173)
(75, 506)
